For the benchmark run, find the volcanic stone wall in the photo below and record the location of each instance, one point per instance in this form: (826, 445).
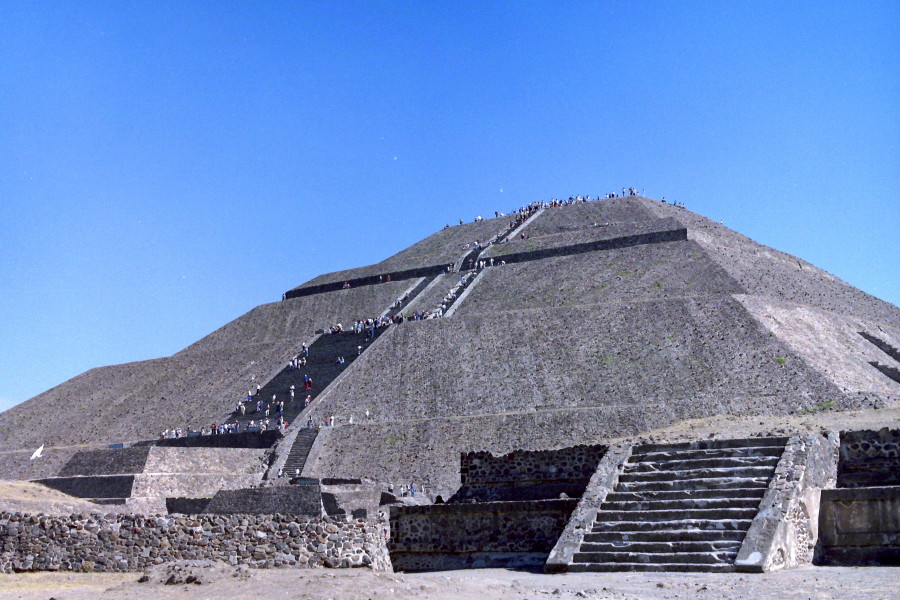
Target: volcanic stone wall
(869, 458)
(492, 534)
(287, 499)
(859, 527)
(524, 475)
(134, 542)
(654, 230)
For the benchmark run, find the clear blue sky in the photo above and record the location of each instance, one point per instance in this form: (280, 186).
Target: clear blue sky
(167, 166)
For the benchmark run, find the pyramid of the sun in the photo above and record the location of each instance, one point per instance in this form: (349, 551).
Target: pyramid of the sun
(603, 329)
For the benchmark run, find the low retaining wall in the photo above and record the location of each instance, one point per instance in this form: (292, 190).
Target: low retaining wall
(132, 542)
(869, 458)
(95, 486)
(288, 499)
(526, 474)
(859, 526)
(465, 536)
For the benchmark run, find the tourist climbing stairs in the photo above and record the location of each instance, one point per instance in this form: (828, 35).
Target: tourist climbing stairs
(321, 366)
(681, 507)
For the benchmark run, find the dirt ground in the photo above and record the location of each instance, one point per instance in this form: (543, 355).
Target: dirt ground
(228, 583)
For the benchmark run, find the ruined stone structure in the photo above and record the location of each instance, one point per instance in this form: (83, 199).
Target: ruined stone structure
(584, 325)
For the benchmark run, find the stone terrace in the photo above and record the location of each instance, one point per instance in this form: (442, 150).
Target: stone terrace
(442, 248)
(196, 387)
(646, 272)
(765, 271)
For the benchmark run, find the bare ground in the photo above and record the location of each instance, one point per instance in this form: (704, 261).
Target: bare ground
(228, 583)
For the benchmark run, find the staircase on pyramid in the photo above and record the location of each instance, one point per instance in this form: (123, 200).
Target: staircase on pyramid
(681, 507)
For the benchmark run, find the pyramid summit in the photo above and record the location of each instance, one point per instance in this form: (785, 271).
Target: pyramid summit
(589, 321)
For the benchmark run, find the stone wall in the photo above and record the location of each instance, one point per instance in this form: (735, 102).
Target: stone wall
(133, 542)
(526, 475)
(287, 499)
(859, 526)
(869, 458)
(97, 487)
(106, 462)
(591, 239)
(491, 534)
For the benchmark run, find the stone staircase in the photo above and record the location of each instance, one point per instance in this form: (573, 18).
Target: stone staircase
(296, 458)
(321, 366)
(681, 507)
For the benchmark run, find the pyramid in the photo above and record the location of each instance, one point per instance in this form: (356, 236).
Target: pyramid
(590, 322)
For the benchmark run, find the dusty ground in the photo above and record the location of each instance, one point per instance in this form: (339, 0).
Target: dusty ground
(483, 584)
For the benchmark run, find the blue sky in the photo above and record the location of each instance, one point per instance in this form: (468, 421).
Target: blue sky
(167, 166)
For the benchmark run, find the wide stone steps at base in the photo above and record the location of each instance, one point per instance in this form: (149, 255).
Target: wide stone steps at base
(699, 524)
(688, 494)
(702, 483)
(670, 536)
(662, 455)
(685, 514)
(688, 464)
(662, 547)
(680, 507)
(697, 558)
(606, 567)
(702, 445)
(682, 504)
(707, 473)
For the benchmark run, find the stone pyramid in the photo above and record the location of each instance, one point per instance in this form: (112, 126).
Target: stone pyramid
(590, 322)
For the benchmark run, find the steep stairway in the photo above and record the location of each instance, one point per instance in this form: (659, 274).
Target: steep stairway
(321, 367)
(681, 507)
(296, 458)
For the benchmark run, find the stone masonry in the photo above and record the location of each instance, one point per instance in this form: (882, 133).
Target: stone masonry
(36, 542)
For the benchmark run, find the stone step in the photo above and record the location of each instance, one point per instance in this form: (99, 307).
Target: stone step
(712, 514)
(679, 567)
(707, 453)
(662, 547)
(701, 483)
(711, 473)
(673, 524)
(707, 558)
(712, 444)
(681, 504)
(646, 466)
(667, 536)
(755, 493)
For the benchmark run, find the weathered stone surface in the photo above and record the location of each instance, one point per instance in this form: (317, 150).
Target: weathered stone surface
(136, 542)
(784, 532)
(859, 526)
(452, 536)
